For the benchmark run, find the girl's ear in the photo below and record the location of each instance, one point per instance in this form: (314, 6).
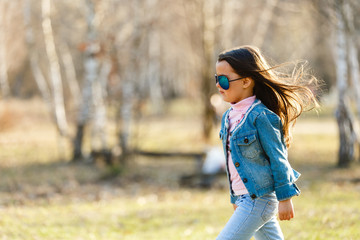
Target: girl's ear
(247, 82)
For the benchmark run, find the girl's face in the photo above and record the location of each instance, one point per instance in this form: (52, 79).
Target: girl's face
(238, 90)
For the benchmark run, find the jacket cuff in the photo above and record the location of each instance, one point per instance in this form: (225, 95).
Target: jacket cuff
(287, 191)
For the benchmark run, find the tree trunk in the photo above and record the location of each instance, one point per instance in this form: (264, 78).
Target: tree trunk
(353, 63)
(353, 53)
(99, 136)
(70, 72)
(91, 66)
(33, 59)
(55, 75)
(126, 119)
(348, 137)
(154, 71)
(343, 113)
(128, 85)
(77, 143)
(4, 83)
(208, 46)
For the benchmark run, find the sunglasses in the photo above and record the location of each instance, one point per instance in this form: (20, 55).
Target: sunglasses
(224, 82)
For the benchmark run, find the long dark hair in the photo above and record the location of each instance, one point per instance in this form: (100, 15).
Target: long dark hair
(287, 95)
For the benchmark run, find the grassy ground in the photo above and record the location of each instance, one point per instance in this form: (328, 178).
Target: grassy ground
(42, 197)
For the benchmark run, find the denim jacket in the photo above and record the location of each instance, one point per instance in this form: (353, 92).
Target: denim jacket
(259, 153)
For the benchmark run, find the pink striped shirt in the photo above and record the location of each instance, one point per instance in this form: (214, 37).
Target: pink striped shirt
(235, 115)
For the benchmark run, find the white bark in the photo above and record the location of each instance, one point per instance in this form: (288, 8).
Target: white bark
(70, 72)
(93, 91)
(90, 73)
(341, 64)
(354, 71)
(99, 138)
(98, 79)
(345, 119)
(154, 70)
(208, 38)
(91, 66)
(4, 82)
(40, 81)
(126, 113)
(208, 21)
(128, 93)
(352, 53)
(34, 65)
(55, 75)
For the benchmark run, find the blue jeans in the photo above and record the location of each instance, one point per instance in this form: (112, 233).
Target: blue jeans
(253, 217)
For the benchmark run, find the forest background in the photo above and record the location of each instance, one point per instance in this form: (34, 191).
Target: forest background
(107, 105)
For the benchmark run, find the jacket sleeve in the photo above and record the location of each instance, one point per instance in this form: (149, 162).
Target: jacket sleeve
(271, 138)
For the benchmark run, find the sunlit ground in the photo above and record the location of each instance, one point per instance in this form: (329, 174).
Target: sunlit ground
(42, 197)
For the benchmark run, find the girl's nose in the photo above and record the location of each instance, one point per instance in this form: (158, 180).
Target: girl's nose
(217, 85)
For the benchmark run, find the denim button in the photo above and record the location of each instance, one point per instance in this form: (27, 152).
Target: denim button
(246, 140)
(237, 164)
(245, 180)
(253, 196)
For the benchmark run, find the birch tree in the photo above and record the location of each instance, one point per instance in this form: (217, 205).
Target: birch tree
(4, 82)
(55, 75)
(70, 72)
(345, 118)
(208, 23)
(352, 49)
(203, 18)
(128, 83)
(154, 68)
(99, 133)
(91, 67)
(33, 58)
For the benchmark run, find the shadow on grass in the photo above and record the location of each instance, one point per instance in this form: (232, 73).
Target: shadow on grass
(41, 181)
(87, 181)
(59, 180)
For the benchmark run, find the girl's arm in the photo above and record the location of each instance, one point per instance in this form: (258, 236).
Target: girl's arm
(269, 129)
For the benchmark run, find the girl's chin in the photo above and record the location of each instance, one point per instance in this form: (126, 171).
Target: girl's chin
(226, 98)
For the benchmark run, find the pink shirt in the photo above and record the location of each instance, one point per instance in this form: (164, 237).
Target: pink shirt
(236, 114)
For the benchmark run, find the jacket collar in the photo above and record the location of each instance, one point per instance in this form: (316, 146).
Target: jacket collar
(257, 102)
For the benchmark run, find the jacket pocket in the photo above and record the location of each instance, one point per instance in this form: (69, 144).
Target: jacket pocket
(270, 210)
(248, 145)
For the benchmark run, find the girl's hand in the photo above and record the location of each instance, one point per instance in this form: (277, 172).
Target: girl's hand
(286, 210)
(234, 206)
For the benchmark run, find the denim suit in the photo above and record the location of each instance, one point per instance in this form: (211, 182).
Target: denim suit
(259, 153)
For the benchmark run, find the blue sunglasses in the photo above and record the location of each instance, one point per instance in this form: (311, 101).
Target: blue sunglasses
(224, 82)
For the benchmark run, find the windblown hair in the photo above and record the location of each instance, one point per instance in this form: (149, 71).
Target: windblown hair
(287, 95)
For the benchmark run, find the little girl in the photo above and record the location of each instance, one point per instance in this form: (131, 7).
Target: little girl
(255, 134)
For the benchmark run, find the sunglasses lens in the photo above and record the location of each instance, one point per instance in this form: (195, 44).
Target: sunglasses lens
(223, 82)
